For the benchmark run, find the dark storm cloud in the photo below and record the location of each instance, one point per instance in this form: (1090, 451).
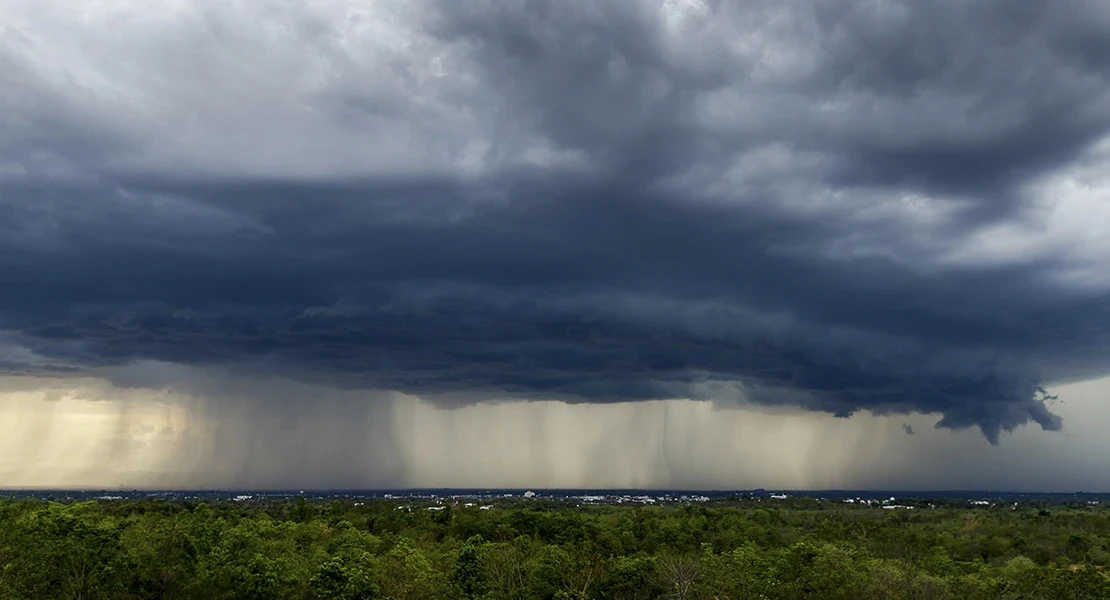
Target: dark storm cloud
(714, 207)
(586, 295)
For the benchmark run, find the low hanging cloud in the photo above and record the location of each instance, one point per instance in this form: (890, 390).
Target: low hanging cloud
(889, 207)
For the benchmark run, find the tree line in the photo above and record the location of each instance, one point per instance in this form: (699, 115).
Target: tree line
(347, 550)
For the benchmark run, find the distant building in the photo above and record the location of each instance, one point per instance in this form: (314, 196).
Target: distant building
(529, 494)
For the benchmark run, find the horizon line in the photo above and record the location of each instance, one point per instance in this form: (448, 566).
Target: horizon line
(306, 490)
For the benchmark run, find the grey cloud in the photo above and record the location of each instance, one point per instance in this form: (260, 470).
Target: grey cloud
(696, 216)
(943, 97)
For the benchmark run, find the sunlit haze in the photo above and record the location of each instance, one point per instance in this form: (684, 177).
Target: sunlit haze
(563, 244)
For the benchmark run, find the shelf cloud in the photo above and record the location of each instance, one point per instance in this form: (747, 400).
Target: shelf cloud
(889, 207)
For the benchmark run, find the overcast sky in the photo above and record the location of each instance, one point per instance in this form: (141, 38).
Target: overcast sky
(557, 242)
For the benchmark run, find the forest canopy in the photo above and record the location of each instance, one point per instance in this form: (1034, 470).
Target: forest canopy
(347, 550)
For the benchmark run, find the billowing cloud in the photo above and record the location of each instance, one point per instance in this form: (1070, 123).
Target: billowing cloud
(844, 207)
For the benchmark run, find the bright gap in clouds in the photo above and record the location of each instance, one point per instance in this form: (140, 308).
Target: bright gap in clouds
(97, 436)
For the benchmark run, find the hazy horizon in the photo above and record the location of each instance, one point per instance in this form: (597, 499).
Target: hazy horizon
(541, 490)
(678, 243)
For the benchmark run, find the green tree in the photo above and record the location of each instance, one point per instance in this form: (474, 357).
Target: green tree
(630, 578)
(469, 571)
(406, 574)
(336, 580)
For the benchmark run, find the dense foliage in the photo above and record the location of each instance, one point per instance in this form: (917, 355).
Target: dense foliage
(348, 551)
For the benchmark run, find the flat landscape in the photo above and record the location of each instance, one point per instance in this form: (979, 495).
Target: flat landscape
(554, 300)
(513, 545)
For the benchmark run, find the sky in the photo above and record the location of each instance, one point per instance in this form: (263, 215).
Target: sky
(633, 243)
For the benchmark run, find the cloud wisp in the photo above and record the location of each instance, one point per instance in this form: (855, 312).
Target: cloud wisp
(845, 207)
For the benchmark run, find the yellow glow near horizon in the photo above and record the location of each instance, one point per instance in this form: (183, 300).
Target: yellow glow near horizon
(84, 433)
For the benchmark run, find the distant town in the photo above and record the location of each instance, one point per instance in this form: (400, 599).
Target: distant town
(439, 499)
